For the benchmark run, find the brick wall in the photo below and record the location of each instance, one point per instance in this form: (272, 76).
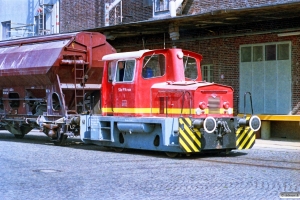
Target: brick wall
(78, 15)
(135, 11)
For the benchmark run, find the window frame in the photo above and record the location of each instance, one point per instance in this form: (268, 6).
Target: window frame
(145, 65)
(116, 71)
(185, 67)
(158, 4)
(210, 72)
(6, 27)
(264, 45)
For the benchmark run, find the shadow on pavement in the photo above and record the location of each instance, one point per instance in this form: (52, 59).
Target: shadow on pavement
(36, 137)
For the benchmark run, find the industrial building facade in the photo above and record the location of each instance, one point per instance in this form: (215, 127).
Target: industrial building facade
(248, 44)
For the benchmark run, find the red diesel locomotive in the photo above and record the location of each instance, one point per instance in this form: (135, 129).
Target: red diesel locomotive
(75, 84)
(157, 100)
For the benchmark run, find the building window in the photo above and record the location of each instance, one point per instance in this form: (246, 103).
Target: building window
(161, 5)
(40, 21)
(246, 54)
(271, 52)
(6, 30)
(258, 53)
(207, 73)
(283, 52)
(265, 52)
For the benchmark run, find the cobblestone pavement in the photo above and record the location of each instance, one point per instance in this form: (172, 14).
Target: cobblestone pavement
(33, 168)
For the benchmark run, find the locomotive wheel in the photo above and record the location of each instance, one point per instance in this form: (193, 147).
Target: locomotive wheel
(61, 140)
(19, 136)
(118, 149)
(171, 154)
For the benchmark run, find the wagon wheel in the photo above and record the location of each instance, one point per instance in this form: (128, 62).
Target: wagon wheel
(118, 149)
(171, 154)
(19, 136)
(61, 140)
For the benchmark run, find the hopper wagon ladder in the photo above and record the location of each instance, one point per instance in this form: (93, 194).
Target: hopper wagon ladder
(79, 91)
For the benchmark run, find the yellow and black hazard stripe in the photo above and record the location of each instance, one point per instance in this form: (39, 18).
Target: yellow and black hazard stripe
(189, 138)
(245, 138)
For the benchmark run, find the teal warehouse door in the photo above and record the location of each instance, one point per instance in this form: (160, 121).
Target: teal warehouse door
(265, 71)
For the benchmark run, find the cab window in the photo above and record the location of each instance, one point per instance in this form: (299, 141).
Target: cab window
(111, 71)
(190, 67)
(125, 71)
(154, 66)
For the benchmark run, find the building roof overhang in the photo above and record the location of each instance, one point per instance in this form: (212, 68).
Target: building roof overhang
(218, 18)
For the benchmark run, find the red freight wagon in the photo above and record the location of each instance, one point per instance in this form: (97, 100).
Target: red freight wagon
(49, 78)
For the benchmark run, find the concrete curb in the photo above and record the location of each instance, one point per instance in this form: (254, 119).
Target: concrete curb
(283, 144)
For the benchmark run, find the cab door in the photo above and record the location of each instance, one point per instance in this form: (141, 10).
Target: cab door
(123, 88)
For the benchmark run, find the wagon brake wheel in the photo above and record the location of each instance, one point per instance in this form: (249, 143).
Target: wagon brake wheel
(171, 154)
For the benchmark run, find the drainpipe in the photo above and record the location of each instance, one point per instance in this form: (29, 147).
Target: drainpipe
(57, 17)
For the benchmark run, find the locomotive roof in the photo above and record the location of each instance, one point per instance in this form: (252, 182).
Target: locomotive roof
(179, 85)
(132, 54)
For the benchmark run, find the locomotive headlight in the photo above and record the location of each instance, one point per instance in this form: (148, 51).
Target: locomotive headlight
(202, 105)
(210, 124)
(226, 105)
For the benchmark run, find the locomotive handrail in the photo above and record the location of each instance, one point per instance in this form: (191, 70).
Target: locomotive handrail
(166, 106)
(186, 60)
(245, 103)
(184, 92)
(25, 99)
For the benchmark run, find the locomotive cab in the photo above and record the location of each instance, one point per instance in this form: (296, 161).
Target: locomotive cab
(127, 86)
